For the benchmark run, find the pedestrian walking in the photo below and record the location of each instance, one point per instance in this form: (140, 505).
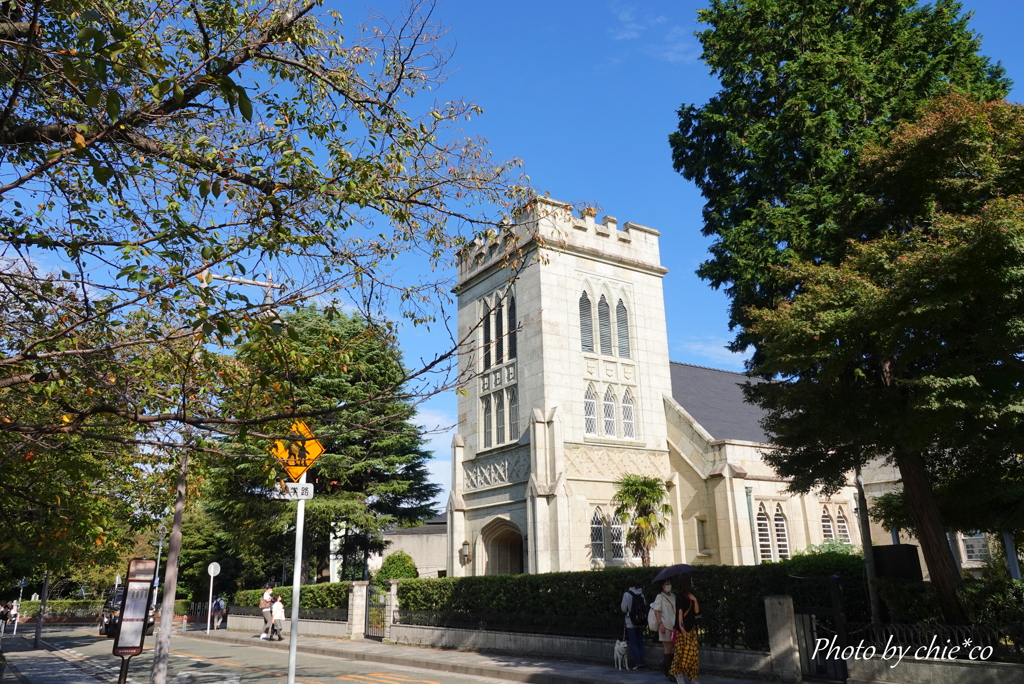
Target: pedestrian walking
(686, 663)
(14, 617)
(278, 614)
(634, 605)
(219, 608)
(664, 607)
(265, 606)
(5, 615)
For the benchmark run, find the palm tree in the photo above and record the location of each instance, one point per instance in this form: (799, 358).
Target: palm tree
(640, 505)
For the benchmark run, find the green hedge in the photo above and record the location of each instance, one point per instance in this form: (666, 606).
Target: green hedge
(181, 606)
(62, 608)
(325, 595)
(989, 601)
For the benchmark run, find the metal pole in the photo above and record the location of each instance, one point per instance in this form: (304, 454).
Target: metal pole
(163, 641)
(42, 609)
(21, 592)
(753, 529)
(122, 677)
(869, 551)
(209, 608)
(293, 638)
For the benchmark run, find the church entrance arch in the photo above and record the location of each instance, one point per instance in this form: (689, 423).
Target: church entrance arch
(503, 548)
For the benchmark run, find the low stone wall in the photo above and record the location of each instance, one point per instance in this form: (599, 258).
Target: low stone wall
(566, 648)
(249, 623)
(909, 671)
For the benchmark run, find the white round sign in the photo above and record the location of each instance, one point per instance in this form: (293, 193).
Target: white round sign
(213, 569)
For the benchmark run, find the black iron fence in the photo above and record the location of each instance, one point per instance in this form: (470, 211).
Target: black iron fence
(977, 642)
(722, 634)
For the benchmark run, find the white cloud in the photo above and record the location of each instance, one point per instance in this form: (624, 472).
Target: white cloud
(711, 351)
(631, 24)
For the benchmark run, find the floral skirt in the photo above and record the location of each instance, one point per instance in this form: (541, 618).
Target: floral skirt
(686, 659)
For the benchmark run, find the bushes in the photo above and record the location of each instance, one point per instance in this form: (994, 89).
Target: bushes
(62, 608)
(398, 565)
(326, 595)
(989, 601)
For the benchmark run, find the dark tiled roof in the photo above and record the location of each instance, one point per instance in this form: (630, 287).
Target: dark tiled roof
(435, 525)
(715, 400)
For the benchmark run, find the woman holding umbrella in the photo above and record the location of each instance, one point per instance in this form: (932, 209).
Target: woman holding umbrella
(665, 610)
(686, 662)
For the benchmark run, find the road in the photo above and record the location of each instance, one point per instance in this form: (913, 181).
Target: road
(197, 661)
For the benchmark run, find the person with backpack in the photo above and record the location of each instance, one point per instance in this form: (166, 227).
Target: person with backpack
(218, 611)
(265, 607)
(634, 605)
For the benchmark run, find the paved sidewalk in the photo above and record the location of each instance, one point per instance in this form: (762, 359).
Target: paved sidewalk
(27, 666)
(508, 668)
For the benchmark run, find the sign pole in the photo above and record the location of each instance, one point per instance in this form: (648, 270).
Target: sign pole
(293, 637)
(213, 569)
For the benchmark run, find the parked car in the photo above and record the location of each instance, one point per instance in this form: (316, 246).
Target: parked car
(110, 617)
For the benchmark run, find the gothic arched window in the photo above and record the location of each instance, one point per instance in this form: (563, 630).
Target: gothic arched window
(604, 325)
(827, 530)
(487, 422)
(618, 540)
(628, 420)
(513, 326)
(597, 535)
(499, 334)
(842, 526)
(622, 329)
(590, 412)
(609, 413)
(499, 416)
(781, 534)
(487, 337)
(764, 535)
(586, 324)
(513, 414)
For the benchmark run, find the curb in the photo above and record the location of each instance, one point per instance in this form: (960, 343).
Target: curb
(492, 671)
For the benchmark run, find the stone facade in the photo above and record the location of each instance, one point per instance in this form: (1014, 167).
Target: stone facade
(569, 386)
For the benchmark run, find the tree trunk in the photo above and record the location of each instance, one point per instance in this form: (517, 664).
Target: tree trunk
(162, 652)
(869, 551)
(42, 610)
(932, 534)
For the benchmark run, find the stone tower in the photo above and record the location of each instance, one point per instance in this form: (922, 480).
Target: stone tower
(566, 370)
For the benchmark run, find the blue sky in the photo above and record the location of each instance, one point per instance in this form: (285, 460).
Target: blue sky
(586, 94)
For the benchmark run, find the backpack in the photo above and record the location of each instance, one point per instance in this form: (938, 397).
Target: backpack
(637, 609)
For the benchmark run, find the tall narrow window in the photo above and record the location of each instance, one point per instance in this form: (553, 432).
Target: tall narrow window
(604, 324)
(499, 417)
(487, 338)
(590, 412)
(702, 534)
(609, 413)
(781, 534)
(597, 536)
(513, 326)
(826, 524)
(487, 422)
(764, 535)
(622, 329)
(842, 526)
(499, 334)
(628, 426)
(618, 540)
(513, 414)
(586, 324)
(975, 547)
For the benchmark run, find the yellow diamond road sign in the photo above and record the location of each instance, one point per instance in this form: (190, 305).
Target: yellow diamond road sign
(298, 456)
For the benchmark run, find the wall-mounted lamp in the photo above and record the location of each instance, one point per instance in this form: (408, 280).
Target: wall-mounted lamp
(464, 555)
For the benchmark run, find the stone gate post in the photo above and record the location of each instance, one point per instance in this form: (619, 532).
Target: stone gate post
(390, 608)
(357, 610)
(782, 638)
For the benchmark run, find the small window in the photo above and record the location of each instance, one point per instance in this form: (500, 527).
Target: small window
(781, 534)
(513, 414)
(622, 329)
(764, 535)
(702, 535)
(487, 422)
(604, 323)
(842, 527)
(827, 530)
(586, 324)
(513, 326)
(975, 546)
(499, 416)
(609, 413)
(590, 412)
(499, 334)
(628, 426)
(618, 540)
(487, 339)
(597, 536)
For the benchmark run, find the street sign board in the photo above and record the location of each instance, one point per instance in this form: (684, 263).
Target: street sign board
(298, 456)
(135, 607)
(213, 568)
(292, 491)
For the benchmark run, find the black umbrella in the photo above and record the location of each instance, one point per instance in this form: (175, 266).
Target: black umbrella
(672, 571)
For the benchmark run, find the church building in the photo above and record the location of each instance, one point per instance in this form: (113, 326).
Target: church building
(568, 386)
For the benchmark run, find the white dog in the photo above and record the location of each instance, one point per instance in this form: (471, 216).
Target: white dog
(621, 649)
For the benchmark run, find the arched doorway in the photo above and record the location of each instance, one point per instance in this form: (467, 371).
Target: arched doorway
(503, 547)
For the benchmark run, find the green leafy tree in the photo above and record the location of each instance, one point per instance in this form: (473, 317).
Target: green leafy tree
(373, 473)
(909, 348)
(810, 89)
(640, 504)
(398, 565)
